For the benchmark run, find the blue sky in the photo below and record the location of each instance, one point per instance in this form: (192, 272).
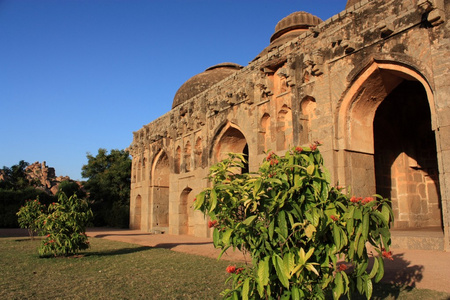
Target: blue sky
(76, 76)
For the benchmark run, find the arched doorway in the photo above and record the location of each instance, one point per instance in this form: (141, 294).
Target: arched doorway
(387, 143)
(136, 220)
(160, 205)
(406, 167)
(230, 139)
(184, 212)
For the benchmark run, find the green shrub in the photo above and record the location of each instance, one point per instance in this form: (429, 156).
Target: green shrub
(29, 214)
(64, 226)
(305, 237)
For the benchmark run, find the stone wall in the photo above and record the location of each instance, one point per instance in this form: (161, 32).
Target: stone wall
(325, 84)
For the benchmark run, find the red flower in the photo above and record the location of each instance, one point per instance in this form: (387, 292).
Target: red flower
(239, 270)
(342, 267)
(274, 162)
(212, 223)
(195, 199)
(231, 269)
(272, 175)
(387, 255)
(367, 200)
(298, 149)
(269, 157)
(313, 147)
(334, 218)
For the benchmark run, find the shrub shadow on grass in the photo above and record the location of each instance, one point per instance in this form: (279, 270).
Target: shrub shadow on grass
(400, 271)
(173, 245)
(118, 234)
(120, 251)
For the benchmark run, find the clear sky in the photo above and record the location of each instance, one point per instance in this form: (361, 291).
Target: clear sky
(80, 75)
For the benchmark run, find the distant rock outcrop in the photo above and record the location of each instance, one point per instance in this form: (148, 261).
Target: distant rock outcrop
(43, 177)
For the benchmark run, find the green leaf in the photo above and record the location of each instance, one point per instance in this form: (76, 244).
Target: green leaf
(310, 229)
(365, 226)
(271, 228)
(263, 271)
(310, 169)
(245, 288)
(310, 267)
(249, 220)
(295, 294)
(213, 199)
(337, 237)
(380, 272)
(369, 288)
(216, 237)
(338, 288)
(199, 200)
(289, 264)
(374, 270)
(282, 225)
(280, 270)
(226, 236)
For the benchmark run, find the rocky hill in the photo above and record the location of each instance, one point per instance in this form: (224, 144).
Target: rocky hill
(43, 177)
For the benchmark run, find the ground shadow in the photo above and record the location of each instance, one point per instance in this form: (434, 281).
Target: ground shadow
(400, 271)
(173, 245)
(120, 251)
(399, 276)
(119, 234)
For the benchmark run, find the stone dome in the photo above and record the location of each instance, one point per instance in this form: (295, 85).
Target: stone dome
(290, 27)
(201, 82)
(296, 20)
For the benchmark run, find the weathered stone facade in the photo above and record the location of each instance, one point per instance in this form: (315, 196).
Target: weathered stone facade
(371, 83)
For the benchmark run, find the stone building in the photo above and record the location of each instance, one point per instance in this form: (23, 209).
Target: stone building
(371, 83)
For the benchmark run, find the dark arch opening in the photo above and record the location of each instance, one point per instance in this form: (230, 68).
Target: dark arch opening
(406, 168)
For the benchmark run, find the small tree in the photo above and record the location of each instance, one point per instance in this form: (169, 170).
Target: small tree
(65, 227)
(304, 236)
(29, 214)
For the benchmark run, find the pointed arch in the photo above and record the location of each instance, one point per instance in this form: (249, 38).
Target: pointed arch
(160, 187)
(229, 139)
(382, 148)
(135, 221)
(264, 135)
(185, 212)
(307, 114)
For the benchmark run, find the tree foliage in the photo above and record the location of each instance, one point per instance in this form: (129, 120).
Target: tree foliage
(15, 178)
(64, 226)
(70, 188)
(108, 185)
(304, 236)
(28, 216)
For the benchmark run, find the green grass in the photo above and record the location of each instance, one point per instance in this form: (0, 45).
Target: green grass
(109, 270)
(115, 270)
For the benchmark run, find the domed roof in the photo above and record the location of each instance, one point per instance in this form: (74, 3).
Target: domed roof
(201, 82)
(296, 20)
(290, 27)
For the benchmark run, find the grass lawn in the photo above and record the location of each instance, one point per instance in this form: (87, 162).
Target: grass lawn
(115, 270)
